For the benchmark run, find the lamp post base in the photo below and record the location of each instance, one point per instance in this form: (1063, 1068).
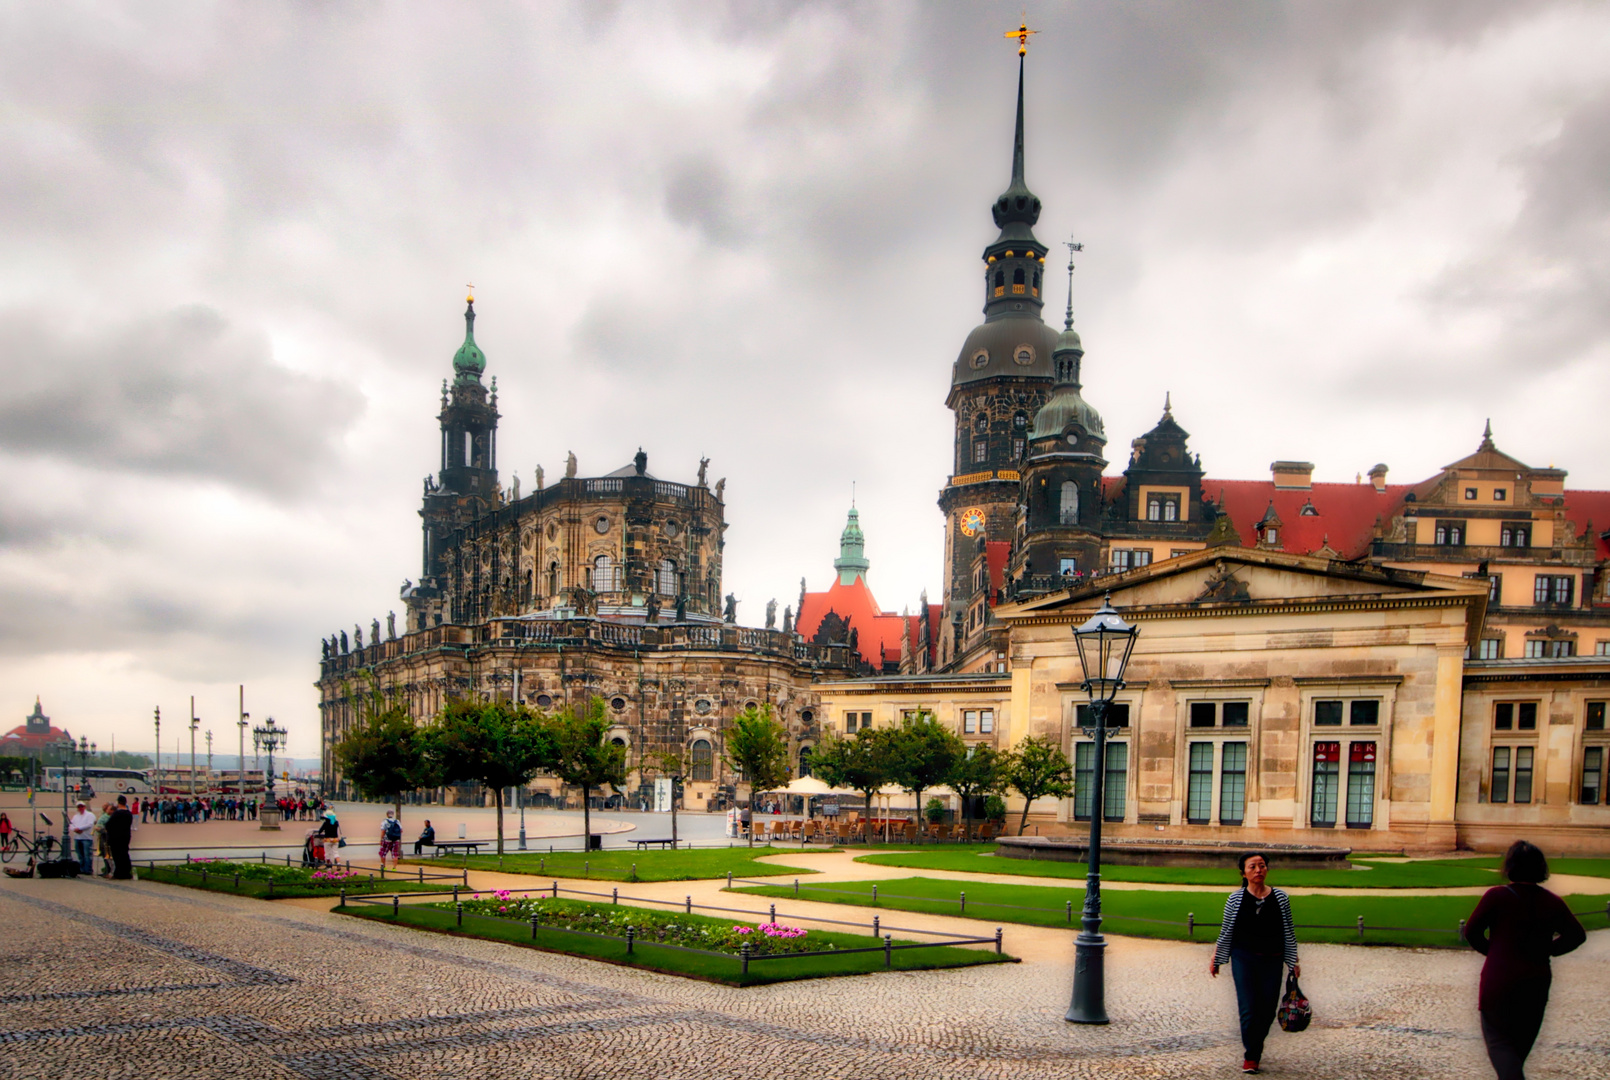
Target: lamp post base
(1089, 981)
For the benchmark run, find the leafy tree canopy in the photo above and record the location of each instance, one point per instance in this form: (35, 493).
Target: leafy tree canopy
(1038, 768)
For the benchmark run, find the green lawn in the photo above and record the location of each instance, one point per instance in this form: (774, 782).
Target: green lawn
(698, 965)
(691, 864)
(1428, 874)
(1127, 911)
(283, 883)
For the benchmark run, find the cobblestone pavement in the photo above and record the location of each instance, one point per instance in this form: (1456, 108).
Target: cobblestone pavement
(142, 980)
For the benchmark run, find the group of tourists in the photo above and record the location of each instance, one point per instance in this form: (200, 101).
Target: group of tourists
(1517, 926)
(106, 834)
(172, 810)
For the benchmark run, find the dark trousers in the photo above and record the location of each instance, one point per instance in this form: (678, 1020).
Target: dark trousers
(1510, 1033)
(122, 868)
(1257, 992)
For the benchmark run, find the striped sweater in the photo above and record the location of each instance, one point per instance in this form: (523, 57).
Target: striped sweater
(1232, 908)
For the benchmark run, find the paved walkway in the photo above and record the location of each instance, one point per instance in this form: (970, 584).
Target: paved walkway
(142, 980)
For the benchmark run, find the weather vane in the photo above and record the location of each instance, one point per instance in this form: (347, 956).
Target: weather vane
(1022, 34)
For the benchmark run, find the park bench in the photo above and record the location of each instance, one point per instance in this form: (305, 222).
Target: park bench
(469, 847)
(657, 841)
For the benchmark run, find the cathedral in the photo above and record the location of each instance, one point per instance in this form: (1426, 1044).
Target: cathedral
(1417, 666)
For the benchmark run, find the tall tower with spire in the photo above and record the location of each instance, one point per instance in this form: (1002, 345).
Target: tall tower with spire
(999, 381)
(852, 561)
(466, 485)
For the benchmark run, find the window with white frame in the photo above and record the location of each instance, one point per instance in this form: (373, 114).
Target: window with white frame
(978, 721)
(1229, 760)
(1115, 782)
(1130, 558)
(1512, 774)
(1117, 715)
(1229, 714)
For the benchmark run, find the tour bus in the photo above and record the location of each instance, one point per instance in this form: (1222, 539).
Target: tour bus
(103, 780)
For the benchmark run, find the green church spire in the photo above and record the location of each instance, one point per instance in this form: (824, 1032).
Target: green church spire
(469, 361)
(851, 563)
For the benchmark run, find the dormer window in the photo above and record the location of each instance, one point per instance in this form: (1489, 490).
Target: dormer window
(1271, 535)
(1162, 508)
(1309, 510)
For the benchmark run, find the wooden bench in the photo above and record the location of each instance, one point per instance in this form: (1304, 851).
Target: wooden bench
(659, 841)
(469, 847)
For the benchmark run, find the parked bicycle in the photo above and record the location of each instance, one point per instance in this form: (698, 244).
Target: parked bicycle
(38, 847)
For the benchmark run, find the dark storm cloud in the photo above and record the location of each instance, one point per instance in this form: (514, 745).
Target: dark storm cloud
(180, 394)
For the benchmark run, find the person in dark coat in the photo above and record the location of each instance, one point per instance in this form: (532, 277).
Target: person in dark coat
(1518, 927)
(119, 831)
(1258, 941)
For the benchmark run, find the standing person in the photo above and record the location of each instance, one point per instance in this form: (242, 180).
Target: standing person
(1257, 939)
(390, 840)
(101, 847)
(1517, 927)
(119, 830)
(81, 828)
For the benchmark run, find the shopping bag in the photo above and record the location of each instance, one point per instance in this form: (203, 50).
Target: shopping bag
(1295, 1012)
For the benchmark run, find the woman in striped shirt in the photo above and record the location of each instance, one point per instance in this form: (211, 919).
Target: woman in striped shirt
(1256, 938)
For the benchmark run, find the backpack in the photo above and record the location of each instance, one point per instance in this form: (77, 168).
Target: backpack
(1294, 1013)
(393, 829)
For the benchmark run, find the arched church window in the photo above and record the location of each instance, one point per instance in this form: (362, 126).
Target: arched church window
(703, 760)
(1000, 278)
(981, 423)
(1020, 420)
(1068, 511)
(1017, 276)
(804, 761)
(665, 578)
(553, 579)
(604, 574)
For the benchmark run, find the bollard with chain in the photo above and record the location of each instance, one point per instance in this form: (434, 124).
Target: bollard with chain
(729, 879)
(690, 905)
(1190, 922)
(774, 913)
(459, 908)
(631, 934)
(888, 950)
(796, 888)
(556, 890)
(615, 895)
(874, 894)
(997, 941)
(394, 911)
(964, 903)
(745, 954)
(534, 931)
(1361, 928)
(343, 896)
(875, 931)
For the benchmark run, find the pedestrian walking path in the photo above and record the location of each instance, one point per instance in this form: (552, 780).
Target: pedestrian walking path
(112, 979)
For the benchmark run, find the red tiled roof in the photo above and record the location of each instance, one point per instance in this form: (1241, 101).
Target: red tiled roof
(1591, 509)
(18, 739)
(877, 632)
(1345, 513)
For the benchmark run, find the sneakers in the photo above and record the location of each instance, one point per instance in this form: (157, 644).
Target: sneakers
(1249, 1066)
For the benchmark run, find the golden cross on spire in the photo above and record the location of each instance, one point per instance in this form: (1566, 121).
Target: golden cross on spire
(1022, 34)
(470, 299)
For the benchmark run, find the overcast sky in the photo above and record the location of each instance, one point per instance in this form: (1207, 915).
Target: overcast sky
(234, 242)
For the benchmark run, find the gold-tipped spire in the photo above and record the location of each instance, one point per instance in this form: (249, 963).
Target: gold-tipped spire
(1022, 34)
(470, 299)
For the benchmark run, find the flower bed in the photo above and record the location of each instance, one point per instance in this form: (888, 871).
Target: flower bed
(662, 927)
(275, 880)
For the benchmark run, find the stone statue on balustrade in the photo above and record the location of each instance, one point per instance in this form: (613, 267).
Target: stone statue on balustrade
(771, 614)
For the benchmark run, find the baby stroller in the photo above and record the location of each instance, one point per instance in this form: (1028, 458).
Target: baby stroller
(313, 851)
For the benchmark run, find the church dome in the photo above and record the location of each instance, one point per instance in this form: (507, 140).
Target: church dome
(1019, 347)
(1065, 408)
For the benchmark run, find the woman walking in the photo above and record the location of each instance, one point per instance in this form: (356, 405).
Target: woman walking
(1256, 938)
(1517, 927)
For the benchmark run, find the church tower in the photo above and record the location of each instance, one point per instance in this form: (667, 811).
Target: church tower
(998, 383)
(1060, 516)
(466, 485)
(852, 561)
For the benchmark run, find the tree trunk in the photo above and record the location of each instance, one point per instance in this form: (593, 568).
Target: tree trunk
(497, 794)
(673, 812)
(917, 794)
(586, 818)
(1023, 824)
(967, 819)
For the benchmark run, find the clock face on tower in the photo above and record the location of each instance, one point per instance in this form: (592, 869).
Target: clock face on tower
(972, 521)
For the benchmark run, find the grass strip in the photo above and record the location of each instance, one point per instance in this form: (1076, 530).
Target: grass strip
(1140, 913)
(692, 864)
(1425, 874)
(674, 961)
(282, 890)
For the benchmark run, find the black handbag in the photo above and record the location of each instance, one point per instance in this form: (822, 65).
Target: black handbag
(1295, 1013)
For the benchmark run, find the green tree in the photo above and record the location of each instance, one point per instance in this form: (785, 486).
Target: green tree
(757, 747)
(384, 755)
(1037, 768)
(860, 762)
(979, 772)
(583, 759)
(922, 753)
(495, 743)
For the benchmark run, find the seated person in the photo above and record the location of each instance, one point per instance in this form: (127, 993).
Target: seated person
(426, 836)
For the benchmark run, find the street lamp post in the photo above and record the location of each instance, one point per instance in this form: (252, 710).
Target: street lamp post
(241, 761)
(209, 761)
(159, 751)
(195, 722)
(269, 738)
(1104, 645)
(65, 747)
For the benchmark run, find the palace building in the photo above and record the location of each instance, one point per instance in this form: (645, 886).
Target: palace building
(1423, 665)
